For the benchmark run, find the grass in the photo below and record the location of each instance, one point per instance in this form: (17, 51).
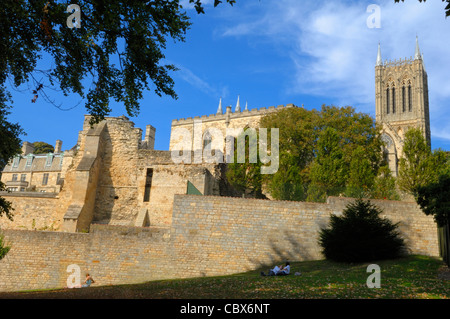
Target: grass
(405, 278)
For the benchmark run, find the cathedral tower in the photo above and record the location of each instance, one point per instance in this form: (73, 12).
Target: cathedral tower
(401, 102)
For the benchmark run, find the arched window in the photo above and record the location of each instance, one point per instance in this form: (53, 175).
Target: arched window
(403, 99)
(409, 97)
(207, 139)
(387, 100)
(393, 99)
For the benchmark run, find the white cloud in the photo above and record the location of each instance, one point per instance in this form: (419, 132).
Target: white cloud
(200, 84)
(333, 51)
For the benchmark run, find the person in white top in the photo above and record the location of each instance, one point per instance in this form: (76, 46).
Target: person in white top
(285, 270)
(278, 270)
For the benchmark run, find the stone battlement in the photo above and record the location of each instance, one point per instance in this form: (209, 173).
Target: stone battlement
(233, 115)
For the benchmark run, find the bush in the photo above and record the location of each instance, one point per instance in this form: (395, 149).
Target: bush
(360, 235)
(3, 249)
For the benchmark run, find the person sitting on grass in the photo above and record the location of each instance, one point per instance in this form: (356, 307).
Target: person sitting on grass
(278, 270)
(285, 270)
(89, 280)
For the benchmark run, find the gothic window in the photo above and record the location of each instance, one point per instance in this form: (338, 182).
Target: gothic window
(393, 100)
(403, 99)
(387, 140)
(387, 100)
(409, 98)
(207, 141)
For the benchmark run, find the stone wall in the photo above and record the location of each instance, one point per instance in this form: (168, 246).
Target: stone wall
(209, 236)
(51, 211)
(113, 255)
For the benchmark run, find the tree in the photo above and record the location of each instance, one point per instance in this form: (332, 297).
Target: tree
(316, 152)
(360, 235)
(329, 170)
(297, 142)
(244, 174)
(434, 199)
(43, 148)
(117, 44)
(119, 48)
(418, 166)
(361, 174)
(3, 248)
(9, 147)
(447, 8)
(384, 185)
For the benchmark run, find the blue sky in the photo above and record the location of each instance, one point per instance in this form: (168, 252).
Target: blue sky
(273, 52)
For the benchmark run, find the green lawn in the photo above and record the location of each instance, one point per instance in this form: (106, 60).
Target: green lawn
(406, 278)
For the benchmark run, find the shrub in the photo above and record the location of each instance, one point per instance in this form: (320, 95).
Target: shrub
(3, 249)
(360, 235)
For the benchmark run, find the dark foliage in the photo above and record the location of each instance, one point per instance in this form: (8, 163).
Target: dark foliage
(361, 235)
(434, 199)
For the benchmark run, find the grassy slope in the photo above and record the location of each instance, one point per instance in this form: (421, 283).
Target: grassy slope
(411, 277)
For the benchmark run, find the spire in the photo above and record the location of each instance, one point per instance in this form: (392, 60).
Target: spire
(238, 106)
(379, 60)
(246, 106)
(219, 110)
(417, 54)
(423, 63)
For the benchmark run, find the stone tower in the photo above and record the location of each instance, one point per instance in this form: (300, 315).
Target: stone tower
(401, 102)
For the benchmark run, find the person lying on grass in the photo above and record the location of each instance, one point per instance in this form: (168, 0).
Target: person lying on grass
(278, 270)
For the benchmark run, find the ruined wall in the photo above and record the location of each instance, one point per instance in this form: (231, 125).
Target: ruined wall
(49, 207)
(209, 236)
(117, 189)
(170, 179)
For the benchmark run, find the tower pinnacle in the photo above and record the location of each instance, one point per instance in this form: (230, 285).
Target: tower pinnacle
(238, 105)
(379, 60)
(219, 110)
(417, 55)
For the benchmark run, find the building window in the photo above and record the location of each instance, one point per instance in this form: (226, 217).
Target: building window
(207, 141)
(29, 160)
(14, 177)
(393, 100)
(49, 160)
(61, 160)
(409, 98)
(45, 179)
(387, 100)
(148, 184)
(403, 99)
(23, 177)
(16, 161)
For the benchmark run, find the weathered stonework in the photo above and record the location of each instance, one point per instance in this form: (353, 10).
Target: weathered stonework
(401, 102)
(208, 236)
(143, 220)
